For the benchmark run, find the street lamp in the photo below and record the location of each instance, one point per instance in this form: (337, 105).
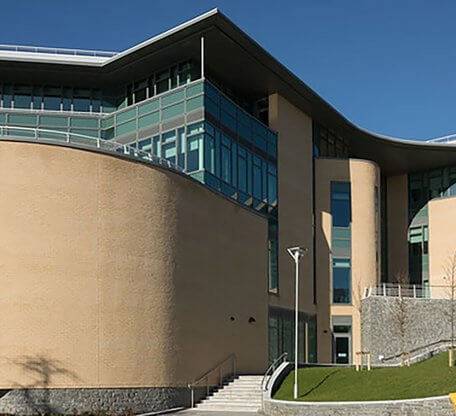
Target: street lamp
(297, 253)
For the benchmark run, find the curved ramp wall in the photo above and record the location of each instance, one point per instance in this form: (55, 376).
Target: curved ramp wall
(120, 275)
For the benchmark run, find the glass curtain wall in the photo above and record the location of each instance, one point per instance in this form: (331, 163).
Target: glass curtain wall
(423, 187)
(341, 242)
(326, 143)
(67, 98)
(281, 335)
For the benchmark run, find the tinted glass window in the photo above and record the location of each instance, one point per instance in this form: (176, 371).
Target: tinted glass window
(341, 281)
(81, 104)
(52, 103)
(193, 150)
(340, 204)
(22, 101)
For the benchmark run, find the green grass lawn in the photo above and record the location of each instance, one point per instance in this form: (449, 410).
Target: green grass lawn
(432, 377)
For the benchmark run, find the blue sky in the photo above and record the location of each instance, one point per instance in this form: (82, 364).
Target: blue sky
(387, 65)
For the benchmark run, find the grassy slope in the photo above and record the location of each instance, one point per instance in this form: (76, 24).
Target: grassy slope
(429, 378)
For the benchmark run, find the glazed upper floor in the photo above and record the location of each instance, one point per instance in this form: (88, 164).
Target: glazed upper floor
(85, 81)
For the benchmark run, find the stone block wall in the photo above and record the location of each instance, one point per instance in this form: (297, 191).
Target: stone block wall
(434, 406)
(390, 326)
(112, 401)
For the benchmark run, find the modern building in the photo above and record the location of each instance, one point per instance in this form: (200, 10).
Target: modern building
(147, 201)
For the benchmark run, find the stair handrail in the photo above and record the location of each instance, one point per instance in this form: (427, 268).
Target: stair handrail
(272, 367)
(205, 376)
(416, 349)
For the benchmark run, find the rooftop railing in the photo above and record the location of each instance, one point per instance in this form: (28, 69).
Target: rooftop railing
(57, 51)
(86, 142)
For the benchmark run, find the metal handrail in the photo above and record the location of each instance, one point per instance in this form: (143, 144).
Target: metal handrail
(58, 51)
(272, 367)
(81, 141)
(440, 342)
(205, 376)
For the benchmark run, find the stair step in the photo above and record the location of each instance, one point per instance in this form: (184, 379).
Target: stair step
(232, 399)
(242, 394)
(238, 390)
(235, 387)
(236, 394)
(230, 407)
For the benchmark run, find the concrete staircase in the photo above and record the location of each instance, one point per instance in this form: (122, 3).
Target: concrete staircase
(243, 394)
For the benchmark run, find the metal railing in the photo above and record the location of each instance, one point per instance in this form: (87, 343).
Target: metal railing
(397, 290)
(265, 381)
(408, 291)
(419, 353)
(58, 51)
(74, 140)
(208, 382)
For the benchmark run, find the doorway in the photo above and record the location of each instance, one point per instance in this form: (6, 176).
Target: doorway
(342, 348)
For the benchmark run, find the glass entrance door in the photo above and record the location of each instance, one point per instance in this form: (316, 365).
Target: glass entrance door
(341, 348)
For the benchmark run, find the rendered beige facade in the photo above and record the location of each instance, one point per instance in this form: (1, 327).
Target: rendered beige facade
(442, 246)
(148, 199)
(99, 272)
(364, 177)
(295, 166)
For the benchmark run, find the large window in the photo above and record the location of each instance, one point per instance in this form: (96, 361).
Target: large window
(194, 150)
(340, 204)
(281, 335)
(341, 281)
(326, 143)
(58, 98)
(224, 113)
(236, 171)
(341, 241)
(273, 254)
(418, 254)
(226, 159)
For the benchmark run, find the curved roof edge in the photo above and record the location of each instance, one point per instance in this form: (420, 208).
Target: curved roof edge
(284, 82)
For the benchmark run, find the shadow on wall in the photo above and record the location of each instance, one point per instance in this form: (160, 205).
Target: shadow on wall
(41, 371)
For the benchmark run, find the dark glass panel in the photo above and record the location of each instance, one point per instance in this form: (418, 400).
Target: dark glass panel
(341, 285)
(52, 103)
(22, 101)
(81, 104)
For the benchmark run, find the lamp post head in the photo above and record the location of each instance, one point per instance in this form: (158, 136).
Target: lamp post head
(297, 252)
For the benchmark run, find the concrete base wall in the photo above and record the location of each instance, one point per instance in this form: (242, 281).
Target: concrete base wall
(435, 406)
(76, 401)
(424, 321)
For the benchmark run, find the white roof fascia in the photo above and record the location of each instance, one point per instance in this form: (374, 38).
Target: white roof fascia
(96, 60)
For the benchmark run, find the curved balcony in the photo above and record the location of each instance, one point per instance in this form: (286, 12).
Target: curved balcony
(61, 138)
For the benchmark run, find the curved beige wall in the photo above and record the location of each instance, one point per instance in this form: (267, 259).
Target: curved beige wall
(365, 233)
(442, 245)
(114, 273)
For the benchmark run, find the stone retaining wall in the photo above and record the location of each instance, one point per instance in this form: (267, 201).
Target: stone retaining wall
(424, 321)
(115, 401)
(434, 406)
